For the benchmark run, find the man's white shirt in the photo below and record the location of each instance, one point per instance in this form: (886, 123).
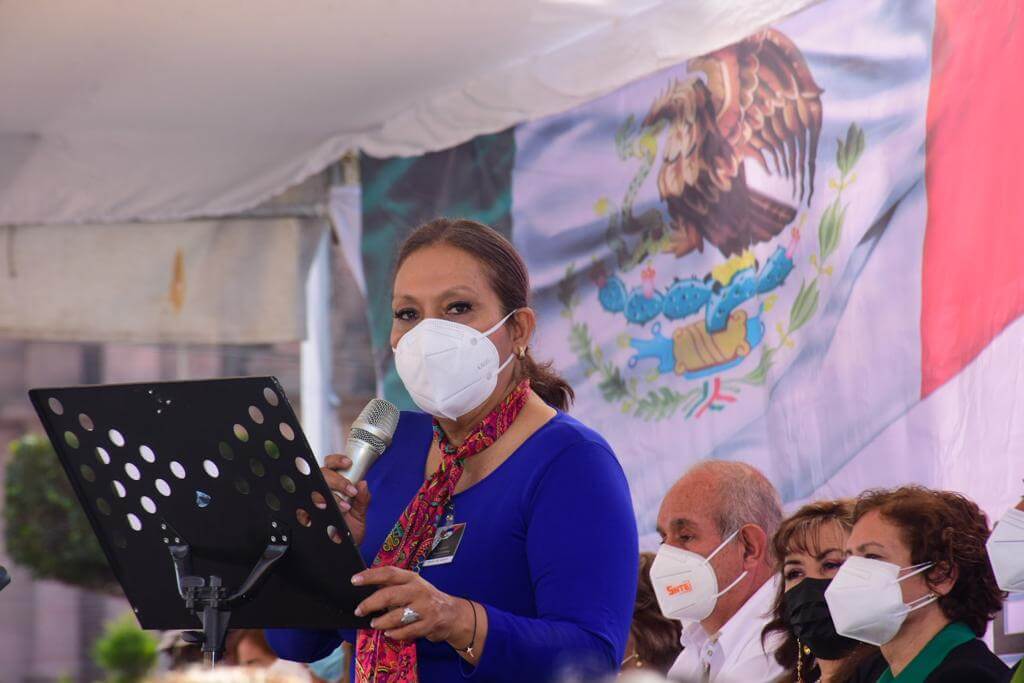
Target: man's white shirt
(734, 654)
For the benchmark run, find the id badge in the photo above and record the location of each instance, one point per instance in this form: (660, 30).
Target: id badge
(446, 544)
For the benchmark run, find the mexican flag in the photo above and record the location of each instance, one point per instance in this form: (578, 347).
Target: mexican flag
(799, 251)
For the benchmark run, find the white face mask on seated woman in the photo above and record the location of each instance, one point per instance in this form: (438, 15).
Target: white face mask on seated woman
(866, 602)
(1006, 551)
(449, 368)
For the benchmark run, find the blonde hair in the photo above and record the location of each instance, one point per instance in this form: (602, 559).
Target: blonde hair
(801, 532)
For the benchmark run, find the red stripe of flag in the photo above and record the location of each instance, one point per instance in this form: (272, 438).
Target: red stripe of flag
(973, 276)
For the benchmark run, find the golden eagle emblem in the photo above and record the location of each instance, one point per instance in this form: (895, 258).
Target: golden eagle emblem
(759, 101)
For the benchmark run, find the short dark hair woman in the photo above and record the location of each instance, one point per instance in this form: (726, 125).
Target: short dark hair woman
(917, 583)
(544, 576)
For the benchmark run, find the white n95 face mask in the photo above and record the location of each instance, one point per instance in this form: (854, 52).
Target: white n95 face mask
(1006, 551)
(685, 583)
(449, 368)
(866, 602)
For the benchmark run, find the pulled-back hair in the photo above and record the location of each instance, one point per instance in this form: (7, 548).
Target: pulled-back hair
(508, 277)
(949, 531)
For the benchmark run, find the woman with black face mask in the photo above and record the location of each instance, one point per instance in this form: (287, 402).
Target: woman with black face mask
(810, 547)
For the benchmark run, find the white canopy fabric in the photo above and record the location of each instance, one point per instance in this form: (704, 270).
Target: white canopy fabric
(160, 110)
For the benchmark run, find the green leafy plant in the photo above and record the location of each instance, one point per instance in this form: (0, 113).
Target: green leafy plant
(46, 530)
(125, 652)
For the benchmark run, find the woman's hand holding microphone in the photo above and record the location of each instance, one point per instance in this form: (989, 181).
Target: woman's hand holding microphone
(352, 499)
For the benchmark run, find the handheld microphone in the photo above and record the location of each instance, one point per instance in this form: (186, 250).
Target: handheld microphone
(370, 435)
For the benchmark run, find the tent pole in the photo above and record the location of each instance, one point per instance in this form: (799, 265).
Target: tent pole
(318, 417)
(181, 370)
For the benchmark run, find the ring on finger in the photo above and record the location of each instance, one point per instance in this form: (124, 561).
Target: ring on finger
(409, 616)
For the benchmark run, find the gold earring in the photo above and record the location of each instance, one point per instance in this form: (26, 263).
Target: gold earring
(521, 352)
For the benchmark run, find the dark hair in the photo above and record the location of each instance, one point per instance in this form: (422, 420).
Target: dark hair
(801, 532)
(950, 531)
(509, 279)
(655, 636)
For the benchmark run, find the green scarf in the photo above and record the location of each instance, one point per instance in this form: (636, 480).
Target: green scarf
(933, 654)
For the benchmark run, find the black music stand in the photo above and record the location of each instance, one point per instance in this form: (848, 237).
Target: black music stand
(201, 495)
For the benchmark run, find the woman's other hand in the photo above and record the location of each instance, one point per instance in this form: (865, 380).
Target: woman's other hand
(442, 617)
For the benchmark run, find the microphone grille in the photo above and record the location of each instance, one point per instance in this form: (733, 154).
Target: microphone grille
(376, 423)
(361, 434)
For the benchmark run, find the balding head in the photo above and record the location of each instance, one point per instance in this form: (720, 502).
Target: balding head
(714, 499)
(730, 494)
(742, 495)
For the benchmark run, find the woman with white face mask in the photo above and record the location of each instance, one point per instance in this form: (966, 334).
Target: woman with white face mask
(499, 529)
(1006, 553)
(1006, 550)
(917, 583)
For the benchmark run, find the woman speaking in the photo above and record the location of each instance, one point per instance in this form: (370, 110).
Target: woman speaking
(536, 573)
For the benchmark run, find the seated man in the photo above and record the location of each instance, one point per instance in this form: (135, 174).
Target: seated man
(716, 525)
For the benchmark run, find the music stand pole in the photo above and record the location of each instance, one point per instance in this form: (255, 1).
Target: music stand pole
(208, 599)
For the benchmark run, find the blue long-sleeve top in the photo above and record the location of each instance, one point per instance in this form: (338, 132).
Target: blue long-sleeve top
(549, 550)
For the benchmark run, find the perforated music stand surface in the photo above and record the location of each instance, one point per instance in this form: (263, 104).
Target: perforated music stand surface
(224, 464)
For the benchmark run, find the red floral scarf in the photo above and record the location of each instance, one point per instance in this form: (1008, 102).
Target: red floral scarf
(383, 660)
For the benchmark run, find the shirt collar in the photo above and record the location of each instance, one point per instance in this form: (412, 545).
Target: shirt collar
(750, 619)
(693, 635)
(738, 629)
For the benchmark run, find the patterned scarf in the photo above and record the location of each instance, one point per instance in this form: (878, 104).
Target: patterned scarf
(383, 660)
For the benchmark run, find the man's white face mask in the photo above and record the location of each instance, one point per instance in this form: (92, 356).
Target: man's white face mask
(685, 584)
